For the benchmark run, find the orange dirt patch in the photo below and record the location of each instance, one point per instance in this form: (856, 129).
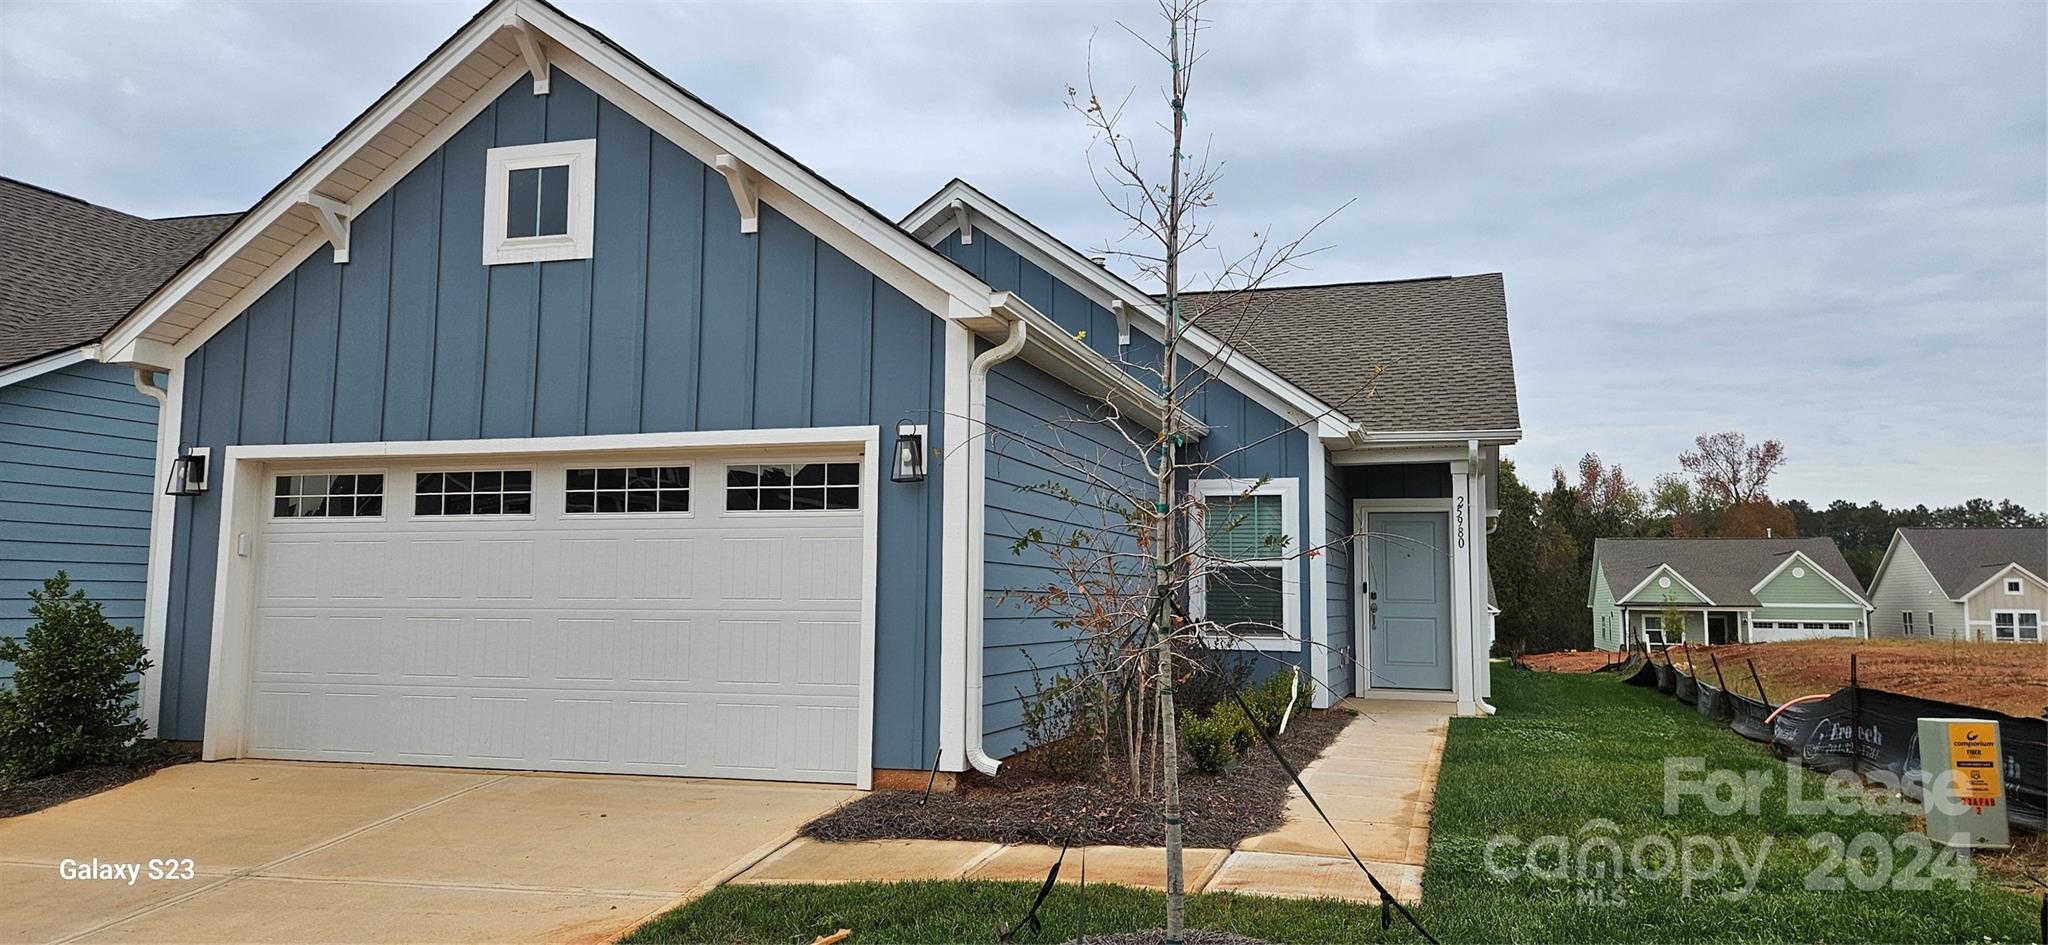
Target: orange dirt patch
(1571, 661)
(2004, 677)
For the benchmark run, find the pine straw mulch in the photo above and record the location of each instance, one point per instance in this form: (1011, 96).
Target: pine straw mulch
(1026, 805)
(50, 790)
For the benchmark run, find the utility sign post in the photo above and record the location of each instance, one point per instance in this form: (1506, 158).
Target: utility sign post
(1964, 792)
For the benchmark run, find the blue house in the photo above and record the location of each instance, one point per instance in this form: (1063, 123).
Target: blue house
(78, 438)
(549, 419)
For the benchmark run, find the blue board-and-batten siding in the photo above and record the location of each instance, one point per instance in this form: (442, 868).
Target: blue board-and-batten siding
(1056, 470)
(77, 461)
(678, 322)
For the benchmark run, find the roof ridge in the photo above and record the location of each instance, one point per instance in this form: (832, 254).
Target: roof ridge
(74, 199)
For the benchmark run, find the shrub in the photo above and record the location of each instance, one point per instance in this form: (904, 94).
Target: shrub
(1269, 701)
(1212, 740)
(1062, 724)
(75, 679)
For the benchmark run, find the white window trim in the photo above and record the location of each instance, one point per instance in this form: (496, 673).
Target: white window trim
(1289, 562)
(1906, 618)
(2016, 638)
(2015, 587)
(412, 493)
(691, 512)
(581, 159)
(269, 499)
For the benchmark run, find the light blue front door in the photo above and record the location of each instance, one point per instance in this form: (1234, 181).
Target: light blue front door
(1408, 599)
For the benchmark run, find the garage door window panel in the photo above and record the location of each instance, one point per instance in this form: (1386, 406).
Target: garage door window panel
(328, 495)
(625, 490)
(473, 492)
(793, 487)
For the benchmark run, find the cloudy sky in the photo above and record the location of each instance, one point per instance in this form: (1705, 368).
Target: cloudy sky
(1825, 223)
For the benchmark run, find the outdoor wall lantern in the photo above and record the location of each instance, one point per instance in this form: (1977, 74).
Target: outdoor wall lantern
(188, 473)
(910, 456)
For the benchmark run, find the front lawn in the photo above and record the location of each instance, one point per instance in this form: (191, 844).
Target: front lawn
(1564, 752)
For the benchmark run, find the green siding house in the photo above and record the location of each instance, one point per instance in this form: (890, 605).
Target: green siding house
(1727, 590)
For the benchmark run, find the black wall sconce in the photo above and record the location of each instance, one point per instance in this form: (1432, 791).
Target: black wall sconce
(909, 465)
(188, 473)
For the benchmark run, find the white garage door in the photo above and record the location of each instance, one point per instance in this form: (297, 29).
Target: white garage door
(688, 617)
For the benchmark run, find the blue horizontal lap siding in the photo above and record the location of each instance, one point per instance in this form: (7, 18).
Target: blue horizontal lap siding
(77, 463)
(1042, 435)
(677, 323)
(1339, 582)
(1246, 441)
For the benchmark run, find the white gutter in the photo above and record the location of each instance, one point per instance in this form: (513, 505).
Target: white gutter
(974, 543)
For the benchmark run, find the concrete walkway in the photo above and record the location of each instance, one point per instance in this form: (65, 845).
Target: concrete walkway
(1376, 781)
(285, 852)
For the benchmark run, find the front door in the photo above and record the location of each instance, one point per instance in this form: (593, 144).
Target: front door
(1408, 600)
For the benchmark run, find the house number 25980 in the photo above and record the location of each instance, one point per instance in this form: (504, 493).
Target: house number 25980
(1461, 521)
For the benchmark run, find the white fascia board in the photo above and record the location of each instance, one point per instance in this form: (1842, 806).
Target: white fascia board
(45, 364)
(937, 217)
(1049, 348)
(1419, 438)
(1797, 555)
(546, 445)
(285, 197)
(1665, 569)
(908, 264)
(768, 164)
(1995, 578)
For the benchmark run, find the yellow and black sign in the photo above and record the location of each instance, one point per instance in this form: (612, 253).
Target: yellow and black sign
(1973, 753)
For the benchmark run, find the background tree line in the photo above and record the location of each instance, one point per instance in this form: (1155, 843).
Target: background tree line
(1542, 551)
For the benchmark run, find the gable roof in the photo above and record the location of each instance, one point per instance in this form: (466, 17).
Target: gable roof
(505, 42)
(1962, 559)
(70, 269)
(1408, 356)
(1722, 569)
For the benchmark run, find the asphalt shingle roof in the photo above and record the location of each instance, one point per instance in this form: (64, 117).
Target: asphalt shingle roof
(1439, 347)
(1724, 569)
(1963, 558)
(69, 269)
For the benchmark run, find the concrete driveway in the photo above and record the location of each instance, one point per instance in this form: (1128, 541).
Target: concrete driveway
(285, 852)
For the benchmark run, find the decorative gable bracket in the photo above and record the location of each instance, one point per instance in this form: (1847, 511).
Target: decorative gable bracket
(1123, 322)
(334, 221)
(746, 193)
(963, 222)
(531, 50)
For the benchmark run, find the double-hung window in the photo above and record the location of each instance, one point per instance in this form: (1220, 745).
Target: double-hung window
(1248, 562)
(1653, 630)
(1907, 617)
(540, 202)
(2016, 626)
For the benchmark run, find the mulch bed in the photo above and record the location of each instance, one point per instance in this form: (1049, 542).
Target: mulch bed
(1028, 806)
(34, 794)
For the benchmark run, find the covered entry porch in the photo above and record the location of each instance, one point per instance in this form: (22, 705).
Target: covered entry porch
(1713, 625)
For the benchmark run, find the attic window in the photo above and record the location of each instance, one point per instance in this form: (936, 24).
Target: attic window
(2013, 586)
(539, 202)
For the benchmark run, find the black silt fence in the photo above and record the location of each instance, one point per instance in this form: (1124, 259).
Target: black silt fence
(1667, 678)
(1746, 716)
(1713, 702)
(1686, 688)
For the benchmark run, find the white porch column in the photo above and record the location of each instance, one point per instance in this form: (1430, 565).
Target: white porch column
(1464, 681)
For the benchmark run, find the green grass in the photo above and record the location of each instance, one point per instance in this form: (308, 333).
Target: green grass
(1563, 750)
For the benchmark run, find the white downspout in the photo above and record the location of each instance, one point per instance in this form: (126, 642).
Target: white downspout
(975, 544)
(156, 581)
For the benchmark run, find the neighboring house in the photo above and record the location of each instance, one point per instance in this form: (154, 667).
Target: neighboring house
(1962, 583)
(77, 437)
(1729, 590)
(549, 419)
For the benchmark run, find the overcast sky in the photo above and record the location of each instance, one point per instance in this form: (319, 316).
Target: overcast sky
(1825, 223)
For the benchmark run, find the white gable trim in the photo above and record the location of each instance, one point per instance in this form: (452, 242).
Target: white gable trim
(1816, 568)
(886, 250)
(2002, 572)
(44, 365)
(1665, 569)
(954, 204)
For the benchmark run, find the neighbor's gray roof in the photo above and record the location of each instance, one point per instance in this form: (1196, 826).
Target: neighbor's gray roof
(1724, 569)
(1439, 345)
(69, 269)
(1962, 558)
